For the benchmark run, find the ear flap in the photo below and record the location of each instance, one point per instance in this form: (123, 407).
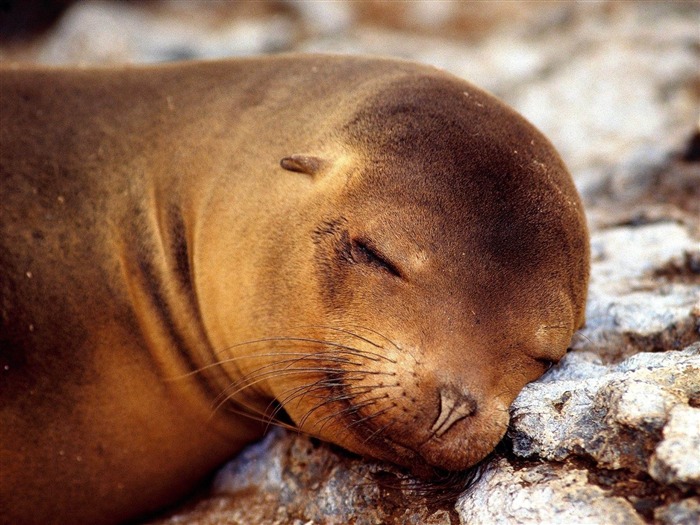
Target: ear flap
(303, 164)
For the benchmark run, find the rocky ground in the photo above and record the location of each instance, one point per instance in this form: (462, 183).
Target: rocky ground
(611, 434)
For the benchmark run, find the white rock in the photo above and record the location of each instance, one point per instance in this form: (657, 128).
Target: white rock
(99, 32)
(612, 414)
(685, 512)
(624, 298)
(258, 466)
(677, 458)
(541, 495)
(324, 18)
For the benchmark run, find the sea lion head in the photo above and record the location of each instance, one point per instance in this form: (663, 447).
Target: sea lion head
(435, 262)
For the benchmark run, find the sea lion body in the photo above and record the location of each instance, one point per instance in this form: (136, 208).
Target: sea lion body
(417, 256)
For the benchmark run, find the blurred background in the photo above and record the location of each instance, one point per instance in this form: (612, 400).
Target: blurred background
(614, 84)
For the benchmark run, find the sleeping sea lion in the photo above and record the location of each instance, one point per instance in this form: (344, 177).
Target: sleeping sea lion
(372, 251)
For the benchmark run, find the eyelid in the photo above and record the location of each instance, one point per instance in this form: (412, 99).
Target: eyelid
(375, 256)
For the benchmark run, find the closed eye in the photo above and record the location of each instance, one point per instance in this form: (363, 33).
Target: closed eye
(363, 252)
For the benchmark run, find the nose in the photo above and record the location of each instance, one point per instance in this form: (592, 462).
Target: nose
(455, 405)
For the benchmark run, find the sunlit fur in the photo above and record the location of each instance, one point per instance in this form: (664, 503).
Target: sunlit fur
(369, 251)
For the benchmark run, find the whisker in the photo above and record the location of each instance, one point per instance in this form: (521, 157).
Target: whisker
(258, 377)
(254, 415)
(341, 330)
(351, 410)
(309, 355)
(392, 343)
(358, 336)
(359, 390)
(261, 375)
(346, 410)
(288, 362)
(321, 342)
(248, 382)
(370, 416)
(290, 395)
(299, 392)
(579, 333)
(382, 429)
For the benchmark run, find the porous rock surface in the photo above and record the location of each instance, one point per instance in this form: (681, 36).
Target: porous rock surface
(612, 433)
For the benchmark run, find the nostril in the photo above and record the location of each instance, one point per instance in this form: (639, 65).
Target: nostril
(454, 406)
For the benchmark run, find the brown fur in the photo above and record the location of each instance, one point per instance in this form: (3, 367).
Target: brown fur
(417, 257)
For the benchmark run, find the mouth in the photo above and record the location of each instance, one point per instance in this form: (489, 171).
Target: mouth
(366, 420)
(415, 446)
(362, 435)
(367, 438)
(384, 448)
(413, 461)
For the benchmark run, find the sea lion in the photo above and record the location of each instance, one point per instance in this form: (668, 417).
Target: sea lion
(374, 251)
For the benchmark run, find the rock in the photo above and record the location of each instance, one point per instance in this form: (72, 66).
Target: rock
(633, 306)
(613, 415)
(99, 32)
(686, 512)
(676, 459)
(541, 495)
(610, 442)
(324, 18)
(287, 478)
